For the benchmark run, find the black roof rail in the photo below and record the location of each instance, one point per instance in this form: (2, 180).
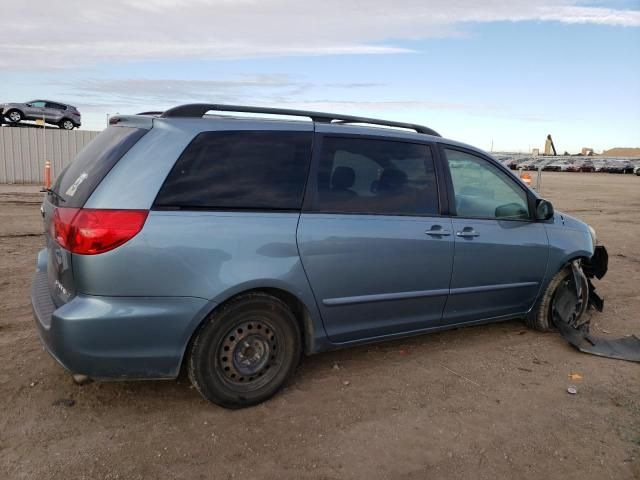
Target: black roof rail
(150, 113)
(195, 110)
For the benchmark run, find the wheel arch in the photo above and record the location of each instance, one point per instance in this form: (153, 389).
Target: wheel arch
(307, 316)
(13, 109)
(552, 270)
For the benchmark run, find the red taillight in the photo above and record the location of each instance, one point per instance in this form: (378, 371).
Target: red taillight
(89, 231)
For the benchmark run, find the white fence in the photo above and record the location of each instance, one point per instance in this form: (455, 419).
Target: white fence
(23, 152)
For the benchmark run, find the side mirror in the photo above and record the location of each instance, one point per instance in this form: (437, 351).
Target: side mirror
(544, 209)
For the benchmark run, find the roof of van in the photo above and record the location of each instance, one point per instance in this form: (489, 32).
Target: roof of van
(323, 121)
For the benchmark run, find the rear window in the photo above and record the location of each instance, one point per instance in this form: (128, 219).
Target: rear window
(78, 181)
(377, 177)
(240, 170)
(56, 106)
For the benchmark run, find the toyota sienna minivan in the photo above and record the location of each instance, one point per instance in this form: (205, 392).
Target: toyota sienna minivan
(233, 245)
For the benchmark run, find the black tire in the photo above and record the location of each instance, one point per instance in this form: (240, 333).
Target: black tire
(227, 362)
(66, 124)
(14, 116)
(542, 320)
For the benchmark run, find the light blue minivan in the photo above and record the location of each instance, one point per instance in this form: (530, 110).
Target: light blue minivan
(234, 244)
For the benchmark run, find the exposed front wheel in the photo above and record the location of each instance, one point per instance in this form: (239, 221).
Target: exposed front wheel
(562, 301)
(67, 125)
(246, 351)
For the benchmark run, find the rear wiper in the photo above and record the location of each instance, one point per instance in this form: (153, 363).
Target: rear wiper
(54, 193)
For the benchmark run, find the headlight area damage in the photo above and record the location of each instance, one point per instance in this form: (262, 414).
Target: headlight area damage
(568, 308)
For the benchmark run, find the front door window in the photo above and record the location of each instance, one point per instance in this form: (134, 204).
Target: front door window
(483, 191)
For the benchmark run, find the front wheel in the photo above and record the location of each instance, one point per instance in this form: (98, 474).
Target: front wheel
(561, 301)
(246, 351)
(14, 116)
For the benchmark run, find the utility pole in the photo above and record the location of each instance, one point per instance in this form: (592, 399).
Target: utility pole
(44, 139)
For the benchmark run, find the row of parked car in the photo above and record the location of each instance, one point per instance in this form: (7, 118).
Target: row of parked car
(569, 164)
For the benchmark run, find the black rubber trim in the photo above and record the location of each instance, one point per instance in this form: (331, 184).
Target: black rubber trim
(42, 302)
(598, 264)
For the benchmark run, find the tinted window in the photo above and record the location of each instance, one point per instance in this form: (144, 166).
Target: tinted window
(77, 182)
(56, 106)
(37, 103)
(377, 177)
(482, 190)
(240, 170)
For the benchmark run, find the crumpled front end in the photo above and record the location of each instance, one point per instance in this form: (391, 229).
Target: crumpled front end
(596, 267)
(623, 348)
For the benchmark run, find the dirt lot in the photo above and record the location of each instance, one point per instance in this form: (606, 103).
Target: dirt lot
(482, 402)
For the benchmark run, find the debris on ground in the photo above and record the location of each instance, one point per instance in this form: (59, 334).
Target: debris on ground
(575, 328)
(572, 389)
(575, 376)
(64, 402)
(461, 376)
(623, 348)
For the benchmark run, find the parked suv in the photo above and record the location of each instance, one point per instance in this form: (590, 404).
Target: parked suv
(54, 113)
(233, 245)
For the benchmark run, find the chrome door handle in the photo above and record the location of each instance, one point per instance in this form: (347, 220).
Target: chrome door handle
(437, 231)
(467, 233)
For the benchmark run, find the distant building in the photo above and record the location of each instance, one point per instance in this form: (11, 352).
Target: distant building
(587, 152)
(549, 147)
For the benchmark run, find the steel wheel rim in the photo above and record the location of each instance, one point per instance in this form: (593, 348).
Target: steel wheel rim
(67, 125)
(249, 354)
(14, 117)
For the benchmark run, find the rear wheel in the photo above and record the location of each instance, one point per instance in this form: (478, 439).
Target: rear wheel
(67, 124)
(562, 302)
(246, 351)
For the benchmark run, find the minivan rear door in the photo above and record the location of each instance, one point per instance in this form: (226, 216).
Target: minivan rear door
(71, 190)
(377, 253)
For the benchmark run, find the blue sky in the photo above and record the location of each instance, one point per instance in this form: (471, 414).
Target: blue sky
(505, 73)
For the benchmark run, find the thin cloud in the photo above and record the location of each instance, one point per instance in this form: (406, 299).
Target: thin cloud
(126, 30)
(146, 91)
(283, 91)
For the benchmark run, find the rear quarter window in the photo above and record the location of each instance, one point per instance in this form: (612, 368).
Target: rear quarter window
(79, 179)
(240, 170)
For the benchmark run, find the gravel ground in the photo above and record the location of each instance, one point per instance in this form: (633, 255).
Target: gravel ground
(479, 402)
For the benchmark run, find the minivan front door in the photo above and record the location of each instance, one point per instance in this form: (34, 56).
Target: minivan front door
(377, 254)
(500, 253)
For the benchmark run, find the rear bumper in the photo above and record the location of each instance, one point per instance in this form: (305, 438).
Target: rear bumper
(116, 337)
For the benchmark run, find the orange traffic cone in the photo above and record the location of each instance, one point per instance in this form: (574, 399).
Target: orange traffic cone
(526, 178)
